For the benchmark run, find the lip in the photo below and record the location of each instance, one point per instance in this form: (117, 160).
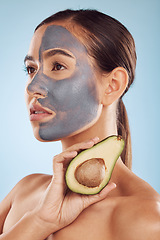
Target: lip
(38, 113)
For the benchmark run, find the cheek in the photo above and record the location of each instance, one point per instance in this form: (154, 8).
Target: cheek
(75, 103)
(78, 92)
(27, 98)
(71, 93)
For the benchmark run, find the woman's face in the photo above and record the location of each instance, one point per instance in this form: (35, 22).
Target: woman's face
(61, 95)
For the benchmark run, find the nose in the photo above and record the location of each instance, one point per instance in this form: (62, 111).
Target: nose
(37, 87)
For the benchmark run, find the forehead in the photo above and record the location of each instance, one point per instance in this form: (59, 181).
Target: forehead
(59, 37)
(55, 36)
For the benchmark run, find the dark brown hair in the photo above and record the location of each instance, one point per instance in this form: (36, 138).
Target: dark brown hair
(111, 45)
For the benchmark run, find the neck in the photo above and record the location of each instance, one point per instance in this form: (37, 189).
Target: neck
(119, 178)
(105, 126)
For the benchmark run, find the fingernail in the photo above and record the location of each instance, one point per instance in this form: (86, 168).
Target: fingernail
(95, 139)
(73, 152)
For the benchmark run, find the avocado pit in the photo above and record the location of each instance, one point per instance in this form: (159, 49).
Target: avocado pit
(91, 172)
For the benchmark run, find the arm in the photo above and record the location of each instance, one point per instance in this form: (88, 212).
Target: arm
(29, 227)
(5, 206)
(55, 210)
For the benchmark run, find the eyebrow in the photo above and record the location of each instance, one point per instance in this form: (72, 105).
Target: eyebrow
(49, 54)
(28, 57)
(57, 51)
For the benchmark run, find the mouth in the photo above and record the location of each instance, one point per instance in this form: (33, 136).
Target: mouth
(38, 113)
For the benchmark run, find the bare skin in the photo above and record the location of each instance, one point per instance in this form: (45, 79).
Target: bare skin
(132, 206)
(41, 207)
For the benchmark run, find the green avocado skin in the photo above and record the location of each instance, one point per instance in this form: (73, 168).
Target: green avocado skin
(109, 149)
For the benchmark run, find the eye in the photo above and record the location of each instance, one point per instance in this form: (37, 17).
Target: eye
(30, 70)
(57, 66)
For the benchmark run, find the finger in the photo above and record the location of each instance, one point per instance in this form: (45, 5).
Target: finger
(83, 145)
(105, 191)
(88, 200)
(60, 163)
(64, 157)
(72, 151)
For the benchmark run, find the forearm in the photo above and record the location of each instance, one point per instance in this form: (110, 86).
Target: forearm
(27, 228)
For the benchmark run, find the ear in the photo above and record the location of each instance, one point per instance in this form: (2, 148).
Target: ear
(114, 85)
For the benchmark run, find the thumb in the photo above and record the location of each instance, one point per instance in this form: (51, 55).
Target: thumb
(100, 196)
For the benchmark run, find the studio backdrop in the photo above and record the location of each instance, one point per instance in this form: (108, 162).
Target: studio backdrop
(20, 153)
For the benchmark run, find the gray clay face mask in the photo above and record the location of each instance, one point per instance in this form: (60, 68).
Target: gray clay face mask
(73, 99)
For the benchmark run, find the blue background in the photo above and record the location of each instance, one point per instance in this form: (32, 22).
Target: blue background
(20, 153)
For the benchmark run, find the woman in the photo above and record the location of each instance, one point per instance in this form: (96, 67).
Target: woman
(80, 64)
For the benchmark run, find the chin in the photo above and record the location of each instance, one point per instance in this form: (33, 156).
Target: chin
(40, 139)
(36, 135)
(45, 135)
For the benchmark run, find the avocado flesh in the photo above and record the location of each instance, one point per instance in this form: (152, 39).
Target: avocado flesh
(108, 151)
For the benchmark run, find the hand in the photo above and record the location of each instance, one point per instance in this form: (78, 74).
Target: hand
(59, 206)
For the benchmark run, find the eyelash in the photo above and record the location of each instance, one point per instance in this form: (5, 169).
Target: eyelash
(27, 69)
(55, 64)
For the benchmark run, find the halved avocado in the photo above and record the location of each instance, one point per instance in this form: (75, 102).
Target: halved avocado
(90, 171)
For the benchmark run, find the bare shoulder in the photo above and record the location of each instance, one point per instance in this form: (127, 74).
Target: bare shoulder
(30, 184)
(137, 218)
(137, 210)
(21, 195)
(24, 186)
(137, 214)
